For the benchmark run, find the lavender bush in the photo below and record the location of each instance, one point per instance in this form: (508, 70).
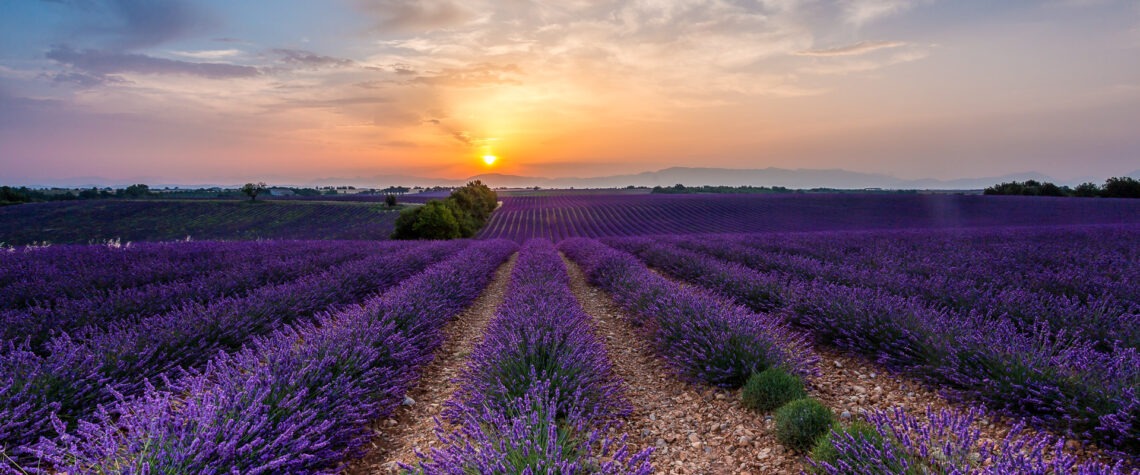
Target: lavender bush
(528, 437)
(1041, 371)
(296, 401)
(704, 337)
(80, 372)
(557, 216)
(540, 333)
(949, 442)
(236, 274)
(539, 392)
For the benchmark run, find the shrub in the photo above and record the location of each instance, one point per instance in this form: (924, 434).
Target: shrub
(772, 388)
(944, 442)
(801, 422)
(834, 449)
(434, 220)
(460, 215)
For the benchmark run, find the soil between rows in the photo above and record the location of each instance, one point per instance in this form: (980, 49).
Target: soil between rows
(412, 426)
(694, 429)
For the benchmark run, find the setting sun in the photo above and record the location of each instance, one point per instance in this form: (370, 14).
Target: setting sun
(489, 159)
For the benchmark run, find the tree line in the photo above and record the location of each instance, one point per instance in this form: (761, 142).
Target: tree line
(10, 195)
(462, 214)
(1115, 187)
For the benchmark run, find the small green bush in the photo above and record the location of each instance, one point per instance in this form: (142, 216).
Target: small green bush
(769, 389)
(868, 443)
(800, 423)
(825, 451)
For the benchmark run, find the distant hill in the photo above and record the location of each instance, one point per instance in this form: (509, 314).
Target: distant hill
(790, 178)
(688, 176)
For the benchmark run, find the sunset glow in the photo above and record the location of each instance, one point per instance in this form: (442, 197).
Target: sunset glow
(489, 159)
(207, 92)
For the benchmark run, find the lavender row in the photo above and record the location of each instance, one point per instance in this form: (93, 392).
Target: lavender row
(1049, 381)
(1092, 293)
(539, 392)
(946, 441)
(296, 401)
(1065, 262)
(56, 272)
(560, 216)
(240, 274)
(704, 337)
(80, 373)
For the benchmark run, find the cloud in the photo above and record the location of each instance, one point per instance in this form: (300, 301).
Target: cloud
(463, 137)
(309, 60)
(336, 102)
(83, 80)
(476, 75)
(861, 65)
(402, 16)
(862, 47)
(860, 12)
(99, 63)
(209, 54)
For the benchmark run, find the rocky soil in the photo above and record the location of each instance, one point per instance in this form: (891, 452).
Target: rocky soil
(412, 427)
(694, 429)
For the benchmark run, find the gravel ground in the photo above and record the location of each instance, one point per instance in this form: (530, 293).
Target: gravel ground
(412, 426)
(696, 430)
(852, 384)
(702, 430)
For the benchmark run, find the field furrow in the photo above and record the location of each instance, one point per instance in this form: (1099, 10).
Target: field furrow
(411, 427)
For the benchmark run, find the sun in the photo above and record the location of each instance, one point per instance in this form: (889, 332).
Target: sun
(489, 159)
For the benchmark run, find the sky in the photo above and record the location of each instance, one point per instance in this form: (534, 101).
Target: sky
(224, 91)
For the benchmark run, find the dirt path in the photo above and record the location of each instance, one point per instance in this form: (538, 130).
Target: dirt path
(696, 430)
(412, 426)
(847, 384)
(851, 384)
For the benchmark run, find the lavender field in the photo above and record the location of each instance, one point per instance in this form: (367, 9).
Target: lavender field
(593, 333)
(558, 216)
(83, 222)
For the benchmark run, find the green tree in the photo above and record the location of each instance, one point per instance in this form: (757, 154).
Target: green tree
(9, 195)
(1049, 189)
(253, 189)
(1087, 190)
(468, 208)
(390, 200)
(435, 220)
(1121, 187)
(135, 191)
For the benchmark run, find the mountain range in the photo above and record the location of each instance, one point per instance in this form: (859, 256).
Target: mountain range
(790, 178)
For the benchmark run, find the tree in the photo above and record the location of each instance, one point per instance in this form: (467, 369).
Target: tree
(1050, 189)
(467, 209)
(1121, 187)
(390, 200)
(434, 220)
(135, 191)
(1086, 190)
(252, 190)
